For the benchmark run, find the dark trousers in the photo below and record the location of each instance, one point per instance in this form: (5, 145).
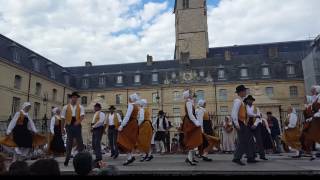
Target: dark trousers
(276, 139)
(257, 133)
(96, 142)
(112, 137)
(245, 143)
(74, 132)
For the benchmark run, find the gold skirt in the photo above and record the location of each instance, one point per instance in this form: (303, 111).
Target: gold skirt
(291, 137)
(145, 136)
(37, 140)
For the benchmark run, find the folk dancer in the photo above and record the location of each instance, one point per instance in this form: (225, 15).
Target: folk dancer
(113, 122)
(161, 125)
(255, 124)
(145, 131)
(97, 127)
(291, 136)
(274, 126)
(73, 115)
(22, 134)
(239, 117)
(209, 141)
(228, 142)
(191, 128)
(56, 145)
(129, 129)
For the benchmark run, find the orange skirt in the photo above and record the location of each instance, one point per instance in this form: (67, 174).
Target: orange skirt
(291, 137)
(145, 136)
(127, 138)
(192, 134)
(313, 131)
(37, 140)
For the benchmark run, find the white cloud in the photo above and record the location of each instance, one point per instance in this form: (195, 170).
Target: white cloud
(107, 31)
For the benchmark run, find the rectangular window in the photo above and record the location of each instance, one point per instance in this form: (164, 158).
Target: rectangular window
(85, 83)
(291, 70)
(273, 52)
(137, 79)
(244, 72)
(177, 96)
(54, 95)
(119, 79)
(223, 95)
(185, 4)
(293, 91)
(221, 74)
(227, 55)
(36, 114)
(154, 97)
(265, 71)
(102, 81)
(38, 89)
(17, 82)
(118, 99)
(155, 77)
(224, 109)
(15, 104)
(84, 100)
(200, 95)
(269, 91)
(177, 118)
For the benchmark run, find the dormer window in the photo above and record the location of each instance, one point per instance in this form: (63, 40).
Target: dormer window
(85, 83)
(52, 73)
(291, 71)
(155, 77)
(102, 81)
(227, 55)
(201, 74)
(119, 79)
(173, 75)
(14, 52)
(273, 52)
(221, 74)
(67, 79)
(244, 72)
(137, 79)
(35, 63)
(265, 71)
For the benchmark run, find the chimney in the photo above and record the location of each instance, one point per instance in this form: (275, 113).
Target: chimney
(88, 64)
(149, 60)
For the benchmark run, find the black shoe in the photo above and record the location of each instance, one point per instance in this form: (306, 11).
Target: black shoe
(195, 161)
(297, 157)
(207, 159)
(116, 156)
(129, 161)
(312, 159)
(149, 158)
(143, 158)
(190, 163)
(264, 158)
(112, 155)
(252, 161)
(238, 162)
(66, 162)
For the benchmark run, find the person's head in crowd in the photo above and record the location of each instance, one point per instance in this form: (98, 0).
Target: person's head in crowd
(45, 167)
(82, 163)
(2, 164)
(269, 114)
(19, 168)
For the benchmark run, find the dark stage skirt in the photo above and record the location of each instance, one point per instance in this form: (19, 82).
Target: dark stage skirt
(57, 143)
(22, 136)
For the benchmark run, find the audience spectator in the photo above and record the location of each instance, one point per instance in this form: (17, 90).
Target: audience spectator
(19, 168)
(2, 164)
(45, 167)
(82, 163)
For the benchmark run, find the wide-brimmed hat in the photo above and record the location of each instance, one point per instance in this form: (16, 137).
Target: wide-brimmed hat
(249, 98)
(74, 94)
(161, 112)
(112, 108)
(241, 88)
(98, 105)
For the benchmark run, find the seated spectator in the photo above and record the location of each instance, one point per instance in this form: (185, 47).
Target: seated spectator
(45, 167)
(19, 168)
(82, 163)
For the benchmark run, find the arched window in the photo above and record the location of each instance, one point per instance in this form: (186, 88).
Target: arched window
(17, 82)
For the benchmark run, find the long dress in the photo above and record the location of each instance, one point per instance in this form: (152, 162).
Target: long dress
(57, 143)
(145, 133)
(228, 142)
(291, 136)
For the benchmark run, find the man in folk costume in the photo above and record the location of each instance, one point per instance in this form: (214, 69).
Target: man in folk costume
(245, 142)
(57, 130)
(145, 131)
(191, 128)
(97, 131)
(113, 122)
(209, 141)
(161, 125)
(129, 129)
(291, 136)
(73, 115)
(22, 134)
(255, 123)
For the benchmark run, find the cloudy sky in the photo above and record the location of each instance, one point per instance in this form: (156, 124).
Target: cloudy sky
(71, 32)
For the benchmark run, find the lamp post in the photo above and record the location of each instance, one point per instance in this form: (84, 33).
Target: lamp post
(44, 120)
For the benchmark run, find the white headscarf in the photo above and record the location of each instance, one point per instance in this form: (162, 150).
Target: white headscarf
(54, 110)
(134, 97)
(143, 102)
(201, 102)
(186, 94)
(26, 104)
(317, 88)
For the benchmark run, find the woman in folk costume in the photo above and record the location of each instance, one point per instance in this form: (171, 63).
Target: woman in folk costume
(57, 130)
(129, 129)
(266, 136)
(24, 133)
(145, 131)
(191, 128)
(209, 141)
(291, 136)
(228, 142)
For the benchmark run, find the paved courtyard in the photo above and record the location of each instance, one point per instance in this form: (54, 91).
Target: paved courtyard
(222, 165)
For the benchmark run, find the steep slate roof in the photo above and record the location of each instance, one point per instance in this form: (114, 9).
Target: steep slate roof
(253, 57)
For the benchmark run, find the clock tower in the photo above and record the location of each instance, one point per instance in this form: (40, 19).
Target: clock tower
(191, 29)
